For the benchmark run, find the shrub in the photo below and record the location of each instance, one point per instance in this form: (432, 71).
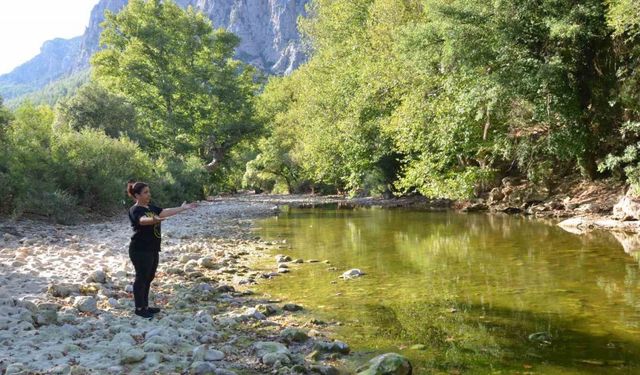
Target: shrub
(94, 167)
(178, 179)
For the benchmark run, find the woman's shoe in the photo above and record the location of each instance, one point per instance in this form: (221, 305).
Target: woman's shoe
(145, 313)
(153, 310)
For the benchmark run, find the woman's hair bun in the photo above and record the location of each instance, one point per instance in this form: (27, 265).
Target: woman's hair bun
(134, 188)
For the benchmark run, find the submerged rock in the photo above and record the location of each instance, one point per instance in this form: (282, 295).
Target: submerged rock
(332, 347)
(283, 258)
(387, 364)
(352, 273)
(291, 307)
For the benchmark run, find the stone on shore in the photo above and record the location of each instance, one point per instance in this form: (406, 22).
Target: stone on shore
(272, 352)
(63, 290)
(627, 208)
(86, 304)
(97, 276)
(132, 355)
(294, 334)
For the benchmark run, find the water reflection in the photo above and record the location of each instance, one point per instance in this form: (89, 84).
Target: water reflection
(471, 288)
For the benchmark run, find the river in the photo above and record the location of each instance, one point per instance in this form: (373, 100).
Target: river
(464, 293)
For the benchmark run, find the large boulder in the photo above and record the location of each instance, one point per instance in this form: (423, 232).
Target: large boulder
(627, 208)
(387, 364)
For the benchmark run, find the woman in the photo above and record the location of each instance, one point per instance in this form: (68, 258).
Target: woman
(145, 243)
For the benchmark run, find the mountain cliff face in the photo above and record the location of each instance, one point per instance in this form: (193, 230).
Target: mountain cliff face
(267, 28)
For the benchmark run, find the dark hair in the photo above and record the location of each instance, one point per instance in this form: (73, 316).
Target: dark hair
(134, 188)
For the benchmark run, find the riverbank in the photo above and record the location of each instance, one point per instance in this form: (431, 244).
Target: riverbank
(66, 306)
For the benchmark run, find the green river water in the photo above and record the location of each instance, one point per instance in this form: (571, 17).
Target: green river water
(480, 293)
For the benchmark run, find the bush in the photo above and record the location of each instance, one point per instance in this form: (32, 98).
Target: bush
(178, 179)
(57, 205)
(94, 167)
(26, 164)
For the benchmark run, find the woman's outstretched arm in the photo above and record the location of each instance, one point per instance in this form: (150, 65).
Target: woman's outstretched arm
(166, 212)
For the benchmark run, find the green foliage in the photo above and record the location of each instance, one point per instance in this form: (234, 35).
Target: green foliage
(92, 166)
(192, 97)
(624, 17)
(94, 107)
(440, 96)
(60, 173)
(174, 179)
(628, 161)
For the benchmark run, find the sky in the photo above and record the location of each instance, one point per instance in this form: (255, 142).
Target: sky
(26, 24)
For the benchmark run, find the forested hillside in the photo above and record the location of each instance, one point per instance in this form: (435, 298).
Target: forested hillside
(440, 98)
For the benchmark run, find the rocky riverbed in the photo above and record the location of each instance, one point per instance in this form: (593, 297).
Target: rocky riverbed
(66, 304)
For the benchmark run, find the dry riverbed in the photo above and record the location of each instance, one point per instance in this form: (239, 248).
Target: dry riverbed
(66, 304)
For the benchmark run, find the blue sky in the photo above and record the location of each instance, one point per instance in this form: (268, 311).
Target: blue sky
(26, 24)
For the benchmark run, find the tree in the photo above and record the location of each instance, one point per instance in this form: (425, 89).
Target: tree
(96, 108)
(179, 74)
(442, 96)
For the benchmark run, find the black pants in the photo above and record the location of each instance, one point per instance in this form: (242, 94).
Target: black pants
(146, 264)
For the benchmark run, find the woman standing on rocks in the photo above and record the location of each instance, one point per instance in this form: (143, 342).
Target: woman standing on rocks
(144, 247)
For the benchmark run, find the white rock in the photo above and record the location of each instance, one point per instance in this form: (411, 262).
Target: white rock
(208, 262)
(97, 276)
(627, 208)
(123, 338)
(132, 355)
(70, 331)
(352, 273)
(153, 358)
(86, 304)
(15, 368)
(280, 258)
(202, 368)
(154, 347)
(114, 303)
(203, 353)
(190, 266)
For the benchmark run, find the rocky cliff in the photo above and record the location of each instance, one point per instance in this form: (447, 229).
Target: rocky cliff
(267, 28)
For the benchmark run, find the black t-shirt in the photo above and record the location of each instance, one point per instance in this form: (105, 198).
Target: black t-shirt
(145, 237)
